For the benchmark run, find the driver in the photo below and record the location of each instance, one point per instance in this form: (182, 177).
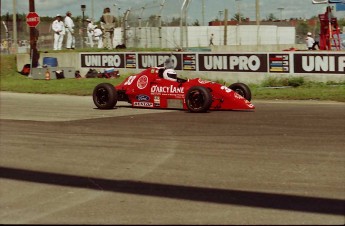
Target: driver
(170, 74)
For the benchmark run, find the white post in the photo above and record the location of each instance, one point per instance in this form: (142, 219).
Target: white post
(92, 11)
(181, 23)
(185, 18)
(15, 34)
(140, 23)
(203, 12)
(257, 6)
(160, 23)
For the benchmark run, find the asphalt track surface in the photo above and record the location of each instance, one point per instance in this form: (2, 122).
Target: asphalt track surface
(65, 162)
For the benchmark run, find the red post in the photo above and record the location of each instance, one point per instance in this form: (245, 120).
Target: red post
(33, 38)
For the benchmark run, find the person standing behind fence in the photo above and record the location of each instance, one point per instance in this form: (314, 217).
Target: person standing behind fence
(90, 30)
(108, 21)
(98, 36)
(70, 43)
(59, 31)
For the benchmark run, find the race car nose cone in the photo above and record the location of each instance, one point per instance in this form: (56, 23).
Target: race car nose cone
(249, 104)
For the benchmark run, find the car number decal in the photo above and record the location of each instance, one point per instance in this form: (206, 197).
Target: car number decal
(226, 89)
(130, 80)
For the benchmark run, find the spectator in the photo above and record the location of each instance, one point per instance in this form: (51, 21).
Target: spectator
(70, 43)
(316, 43)
(310, 42)
(108, 22)
(59, 32)
(211, 40)
(98, 36)
(90, 31)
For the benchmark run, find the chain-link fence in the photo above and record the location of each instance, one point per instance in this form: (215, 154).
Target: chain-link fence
(139, 26)
(142, 26)
(153, 25)
(45, 35)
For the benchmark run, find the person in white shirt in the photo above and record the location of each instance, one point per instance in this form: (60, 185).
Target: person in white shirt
(59, 32)
(90, 31)
(310, 42)
(98, 36)
(70, 43)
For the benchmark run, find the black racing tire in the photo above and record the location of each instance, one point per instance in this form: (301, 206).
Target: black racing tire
(198, 99)
(105, 96)
(242, 89)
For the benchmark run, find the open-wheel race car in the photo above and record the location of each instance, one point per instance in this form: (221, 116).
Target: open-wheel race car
(158, 87)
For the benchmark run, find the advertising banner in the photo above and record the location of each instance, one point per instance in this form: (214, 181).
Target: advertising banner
(279, 63)
(273, 63)
(189, 62)
(319, 63)
(131, 60)
(102, 60)
(146, 60)
(233, 62)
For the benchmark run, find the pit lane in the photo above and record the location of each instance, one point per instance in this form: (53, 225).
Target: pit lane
(62, 161)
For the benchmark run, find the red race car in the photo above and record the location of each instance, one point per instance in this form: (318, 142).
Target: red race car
(159, 87)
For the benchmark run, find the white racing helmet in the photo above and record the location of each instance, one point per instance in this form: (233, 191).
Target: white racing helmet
(170, 74)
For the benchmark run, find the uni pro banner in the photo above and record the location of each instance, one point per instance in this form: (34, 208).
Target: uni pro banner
(318, 63)
(146, 60)
(233, 62)
(102, 60)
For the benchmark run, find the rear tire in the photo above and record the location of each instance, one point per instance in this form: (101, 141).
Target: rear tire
(198, 99)
(242, 89)
(105, 96)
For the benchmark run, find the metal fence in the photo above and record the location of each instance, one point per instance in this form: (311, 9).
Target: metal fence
(152, 25)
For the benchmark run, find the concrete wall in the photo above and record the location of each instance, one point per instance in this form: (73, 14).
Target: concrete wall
(64, 59)
(256, 48)
(199, 36)
(315, 66)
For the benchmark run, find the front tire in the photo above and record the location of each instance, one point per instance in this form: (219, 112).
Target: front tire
(105, 96)
(242, 89)
(198, 99)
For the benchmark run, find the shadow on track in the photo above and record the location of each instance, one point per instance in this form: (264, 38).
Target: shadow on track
(212, 195)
